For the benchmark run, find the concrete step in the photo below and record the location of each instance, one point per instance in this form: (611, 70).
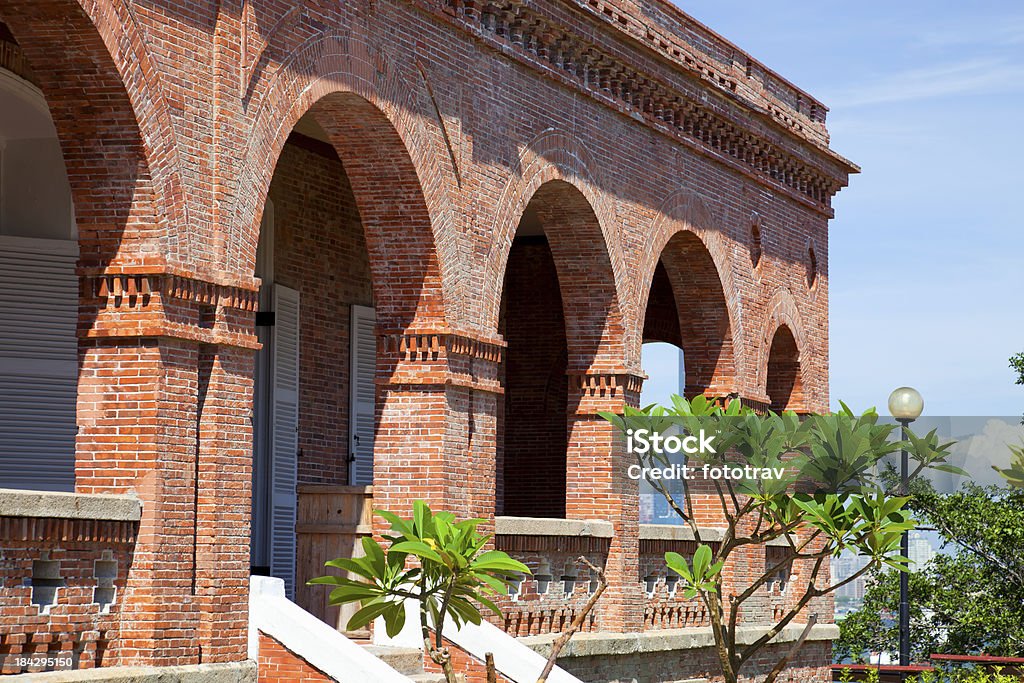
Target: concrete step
(427, 678)
(404, 660)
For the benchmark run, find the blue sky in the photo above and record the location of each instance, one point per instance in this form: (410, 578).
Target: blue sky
(926, 258)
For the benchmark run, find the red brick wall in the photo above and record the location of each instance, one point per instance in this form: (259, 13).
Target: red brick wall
(448, 123)
(278, 664)
(320, 250)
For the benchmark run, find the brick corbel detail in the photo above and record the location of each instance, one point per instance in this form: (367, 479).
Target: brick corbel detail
(441, 357)
(591, 391)
(126, 304)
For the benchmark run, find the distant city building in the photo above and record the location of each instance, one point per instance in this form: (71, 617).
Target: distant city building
(920, 550)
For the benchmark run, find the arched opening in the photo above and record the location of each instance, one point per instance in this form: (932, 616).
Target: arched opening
(38, 288)
(533, 422)
(664, 364)
(73, 172)
(784, 384)
(687, 350)
(345, 255)
(686, 277)
(559, 318)
(812, 267)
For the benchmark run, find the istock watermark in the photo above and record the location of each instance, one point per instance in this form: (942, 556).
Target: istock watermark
(646, 443)
(688, 473)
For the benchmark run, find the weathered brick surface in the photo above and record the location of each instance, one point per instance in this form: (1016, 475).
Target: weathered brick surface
(277, 664)
(683, 189)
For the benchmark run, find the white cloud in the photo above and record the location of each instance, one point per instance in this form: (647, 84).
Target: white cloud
(968, 77)
(1004, 32)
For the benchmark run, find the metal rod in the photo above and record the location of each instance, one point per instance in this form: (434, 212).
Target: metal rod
(904, 625)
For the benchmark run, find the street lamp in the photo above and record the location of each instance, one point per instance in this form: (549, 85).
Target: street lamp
(906, 405)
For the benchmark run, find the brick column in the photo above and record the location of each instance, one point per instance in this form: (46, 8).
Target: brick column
(436, 409)
(224, 490)
(597, 488)
(162, 411)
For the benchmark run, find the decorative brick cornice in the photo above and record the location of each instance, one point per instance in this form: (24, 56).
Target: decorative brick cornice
(523, 31)
(150, 301)
(425, 345)
(135, 289)
(441, 358)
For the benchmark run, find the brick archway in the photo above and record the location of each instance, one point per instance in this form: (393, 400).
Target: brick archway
(783, 355)
(122, 194)
(391, 158)
(558, 160)
(784, 384)
(559, 319)
(684, 263)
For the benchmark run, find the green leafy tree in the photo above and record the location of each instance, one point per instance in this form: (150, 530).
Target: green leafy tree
(967, 602)
(453, 575)
(1017, 364)
(828, 499)
(1014, 474)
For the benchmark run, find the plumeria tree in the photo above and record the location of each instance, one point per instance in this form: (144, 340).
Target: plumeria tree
(453, 576)
(829, 498)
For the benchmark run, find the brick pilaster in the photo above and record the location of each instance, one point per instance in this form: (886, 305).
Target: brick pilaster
(597, 487)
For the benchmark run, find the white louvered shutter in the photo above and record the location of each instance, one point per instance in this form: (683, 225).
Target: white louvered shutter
(38, 363)
(284, 436)
(363, 397)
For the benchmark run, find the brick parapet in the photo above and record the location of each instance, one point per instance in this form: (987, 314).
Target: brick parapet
(62, 590)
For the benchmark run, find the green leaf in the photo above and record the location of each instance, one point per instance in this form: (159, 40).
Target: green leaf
(679, 565)
(368, 613)
(419, 549)
(394, 620)
(701, 562)
(500, 561)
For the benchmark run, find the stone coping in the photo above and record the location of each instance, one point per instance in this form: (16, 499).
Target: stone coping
(673, 532)
(21, 503)
(236, 672)
(541, 526)
(664, 640)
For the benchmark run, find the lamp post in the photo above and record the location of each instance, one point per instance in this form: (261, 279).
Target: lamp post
(906, 405)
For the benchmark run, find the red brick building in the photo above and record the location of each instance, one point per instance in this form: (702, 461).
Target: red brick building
(258, 256)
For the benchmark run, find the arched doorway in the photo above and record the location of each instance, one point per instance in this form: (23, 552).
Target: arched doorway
(686, 276)
(687, 349)
(345, 257)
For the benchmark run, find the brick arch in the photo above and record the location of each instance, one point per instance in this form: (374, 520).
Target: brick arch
(782, 314)
(696, 261)
(555, 170)
(111, 121)
(390, 157)
(784, 384)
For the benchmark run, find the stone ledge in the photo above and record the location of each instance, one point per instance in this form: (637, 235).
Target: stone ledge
(540, 526)
(236, 672)
(663, 640)
(673, 532)
(21, 503)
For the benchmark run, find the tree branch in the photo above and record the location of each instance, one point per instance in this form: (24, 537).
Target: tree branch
(577, 622)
